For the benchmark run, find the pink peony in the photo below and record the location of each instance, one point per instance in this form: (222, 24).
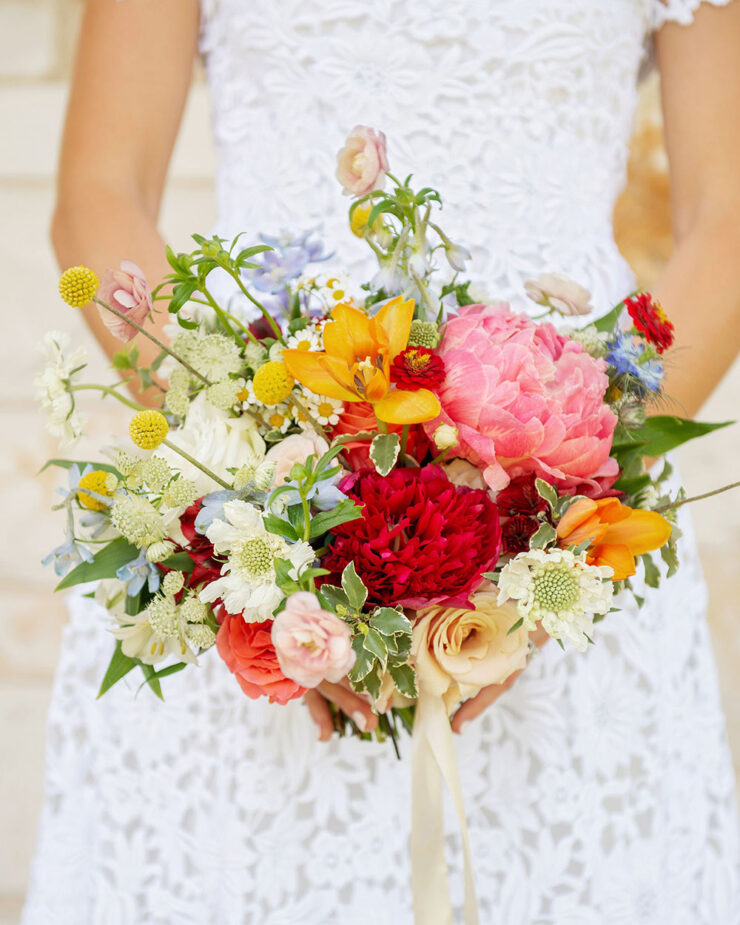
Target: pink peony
(525, 399)
(127, 290)
(362, 162)
(312, 645)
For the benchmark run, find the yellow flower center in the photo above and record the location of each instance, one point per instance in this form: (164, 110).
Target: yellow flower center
(276, 420)
(416, 361)
(148, 429)
(303, 345)
(272, 383)
(77, 286)
(660, 312)
(325, 409)
(95, 481)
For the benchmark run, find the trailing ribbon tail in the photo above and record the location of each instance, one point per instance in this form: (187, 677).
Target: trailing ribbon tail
(434, 760)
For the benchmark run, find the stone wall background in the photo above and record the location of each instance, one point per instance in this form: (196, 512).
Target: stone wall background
(36, 48)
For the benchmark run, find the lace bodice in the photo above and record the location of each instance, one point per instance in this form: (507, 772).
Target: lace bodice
(599, 788)
(518, 111)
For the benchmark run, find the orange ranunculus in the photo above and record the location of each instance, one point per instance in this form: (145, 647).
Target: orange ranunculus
(618, 533)
(356, 362)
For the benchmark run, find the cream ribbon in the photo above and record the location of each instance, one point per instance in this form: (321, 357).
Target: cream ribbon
(434, 760)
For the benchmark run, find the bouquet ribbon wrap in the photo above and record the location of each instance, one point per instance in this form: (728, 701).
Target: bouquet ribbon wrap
(434, 761)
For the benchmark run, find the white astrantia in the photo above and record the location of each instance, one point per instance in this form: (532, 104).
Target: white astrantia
(136, 519)
(248, 585)
(558, 588)
(213, 355)
(53, 386)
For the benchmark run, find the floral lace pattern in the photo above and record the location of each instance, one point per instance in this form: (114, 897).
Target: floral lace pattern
(599, 789)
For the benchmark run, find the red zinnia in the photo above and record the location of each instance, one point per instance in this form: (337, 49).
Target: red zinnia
(421, 540)
(648, 316)
(417, 368)
(250, 655)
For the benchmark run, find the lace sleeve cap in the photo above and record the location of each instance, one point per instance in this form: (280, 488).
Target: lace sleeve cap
(679, 11)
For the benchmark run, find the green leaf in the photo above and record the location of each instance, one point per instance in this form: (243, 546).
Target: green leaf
(295, 515)
(607, 321)
(279, 526)
(633, 485)
(364, 661)
(334, 598)
(404, 678)
(384, 452)
(669, 555)
(118, 667)
(182, 293)
(354, 588)
(180, 562)
(652, 573)
(375, 644)
(346, 511)
(388, 621)
(514, 627)
(664, 432)
(150, 678)
(68, 463)
(546, 534)
(372, 683)
(105, 564)
(546, 491)
(283, 577)
(164, 673)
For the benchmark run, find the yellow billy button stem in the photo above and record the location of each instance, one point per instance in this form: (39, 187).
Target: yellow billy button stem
(148, 430)
(77, 286)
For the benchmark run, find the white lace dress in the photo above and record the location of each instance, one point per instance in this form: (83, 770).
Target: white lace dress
(599, 789)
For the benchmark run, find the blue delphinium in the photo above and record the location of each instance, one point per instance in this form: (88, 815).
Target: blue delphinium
(137, 573)
(288, 259)
(629, 357)
(68, 555)
(213, 508)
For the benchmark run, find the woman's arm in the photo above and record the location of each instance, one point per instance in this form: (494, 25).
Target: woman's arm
(130, 83)
(700, 285)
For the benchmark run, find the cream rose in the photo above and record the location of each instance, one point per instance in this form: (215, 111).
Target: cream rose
(457, 651)
(294, 449)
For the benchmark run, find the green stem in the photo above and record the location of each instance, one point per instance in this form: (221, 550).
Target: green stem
(306, 520)
(246, 330)
(440, 458)
(153, 339)
(404, 439)
(198, 465)
(221, 315)
(422, 287)
(267, 316)
(300, 407)
(108, 390)
(382, 426)
(707, 494)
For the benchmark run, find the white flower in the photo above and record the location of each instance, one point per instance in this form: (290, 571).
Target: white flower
(445, 437)
(558, 588)
(457, 256)
(324, 410)
(592, 341)
(53, 386)
(155, 633)
(248, 583)
(213, 355)
(559, 293)
(215, 439)
(138, 520)
(225, 394)
(308, 338)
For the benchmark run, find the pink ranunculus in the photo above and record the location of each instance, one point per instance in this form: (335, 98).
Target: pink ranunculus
(525, 399)
(312, 645)
(127, 290)
(362, 162)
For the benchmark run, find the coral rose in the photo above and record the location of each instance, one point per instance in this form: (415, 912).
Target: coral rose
(362, 162)
(312, 645)
(524, 399)
(249, 654)
(457, 651)
(127, 290)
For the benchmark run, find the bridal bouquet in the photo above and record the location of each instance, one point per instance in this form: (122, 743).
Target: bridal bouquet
(393, 483)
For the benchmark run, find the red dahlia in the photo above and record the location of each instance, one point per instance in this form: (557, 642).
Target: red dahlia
(520, 497)
(421, 540)
(417, 368)
(648, 316)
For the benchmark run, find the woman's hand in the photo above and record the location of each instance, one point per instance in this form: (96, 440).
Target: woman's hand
(343, 697)
(488, 695)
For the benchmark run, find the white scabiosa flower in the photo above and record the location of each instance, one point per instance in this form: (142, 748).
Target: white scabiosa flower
(248, 583)
(53, 387)
(560, 589)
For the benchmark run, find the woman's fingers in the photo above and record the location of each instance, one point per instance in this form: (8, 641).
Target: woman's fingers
(484, 698)
(320, 713)
(352, 704)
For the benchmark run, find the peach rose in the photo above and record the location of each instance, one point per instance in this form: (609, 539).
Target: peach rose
(126, 290)
(294, 449)
(457, 651)
(312, 645)
(362, 162)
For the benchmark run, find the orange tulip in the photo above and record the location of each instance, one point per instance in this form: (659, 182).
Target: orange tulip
(617, 533)
(356, 362)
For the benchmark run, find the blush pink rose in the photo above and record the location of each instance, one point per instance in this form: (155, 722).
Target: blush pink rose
(312, 645)
(127, 290)
(525, 399)
(362, 162)
(294, 449)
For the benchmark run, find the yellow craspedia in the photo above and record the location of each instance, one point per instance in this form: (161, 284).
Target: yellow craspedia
(148, 429)
(272, 383)
(95, 481)
(77, 286)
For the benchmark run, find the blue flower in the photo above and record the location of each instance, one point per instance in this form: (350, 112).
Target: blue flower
(67, 556)
(137, 573)
(288, 259)
(213, 508)
(628, 357)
